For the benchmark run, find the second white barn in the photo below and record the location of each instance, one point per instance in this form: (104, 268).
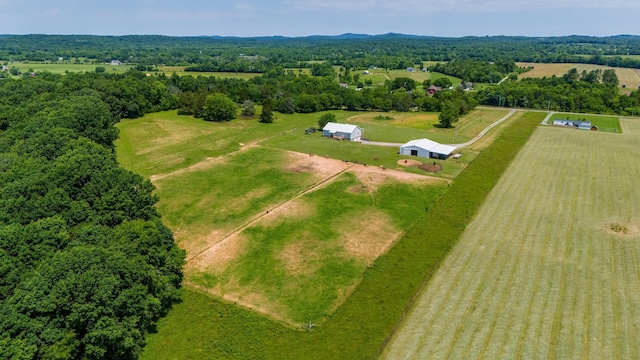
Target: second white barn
(427, 148)
(342, 131)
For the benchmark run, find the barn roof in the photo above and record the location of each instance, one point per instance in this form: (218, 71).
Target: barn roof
(342, 128)
(425, 144)
(431, 146)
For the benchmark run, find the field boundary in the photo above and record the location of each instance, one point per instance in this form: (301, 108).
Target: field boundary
(363, 325)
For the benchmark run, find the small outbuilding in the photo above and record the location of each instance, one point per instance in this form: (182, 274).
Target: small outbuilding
(342, 131)
(578, 124)
(427, 148)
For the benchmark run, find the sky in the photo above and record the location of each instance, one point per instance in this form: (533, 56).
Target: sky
(451, 18)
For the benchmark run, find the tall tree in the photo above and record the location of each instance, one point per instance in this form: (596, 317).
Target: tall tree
(219, 107)
(266, 116)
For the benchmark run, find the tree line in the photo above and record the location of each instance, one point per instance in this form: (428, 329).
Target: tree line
(392, 51)
(595, 91)
(87, 267)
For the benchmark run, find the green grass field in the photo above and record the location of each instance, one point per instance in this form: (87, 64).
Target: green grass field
(203, 327)
(164, 142)
(604, 123)
(299, 266)
(242, 169)
(62, 68)
(179, 70)
(379, 76)
(402, 127)
(549, 267)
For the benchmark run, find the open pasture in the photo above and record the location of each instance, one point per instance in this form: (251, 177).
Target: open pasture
(205, 327)
(549, 267)
(628, 77)
(240, 201)
(603, 122)
(179, 70)
(63, 68)
(301, 249)
(402, 127)
(164, 142)
(378, 76)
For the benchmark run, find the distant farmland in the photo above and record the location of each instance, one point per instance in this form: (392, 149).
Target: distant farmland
(628, 77)
(549, 268)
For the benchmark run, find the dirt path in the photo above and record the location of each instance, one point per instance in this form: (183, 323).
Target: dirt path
(546, 119)
(486, 130)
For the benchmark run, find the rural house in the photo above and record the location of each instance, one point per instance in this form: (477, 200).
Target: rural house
(433, 89)
(342, 131)
(427, 148)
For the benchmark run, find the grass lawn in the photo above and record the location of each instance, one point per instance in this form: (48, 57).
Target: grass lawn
(549, 266)
(204, 327)
(604, 123)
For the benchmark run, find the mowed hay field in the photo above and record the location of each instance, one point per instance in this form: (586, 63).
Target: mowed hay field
(628, 77)
(550, 266)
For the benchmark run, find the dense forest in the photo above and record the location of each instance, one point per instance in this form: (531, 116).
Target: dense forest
(392, 51)
(86, 265)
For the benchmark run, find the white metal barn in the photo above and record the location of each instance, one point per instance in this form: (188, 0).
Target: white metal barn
(427, 148)
(342, 131)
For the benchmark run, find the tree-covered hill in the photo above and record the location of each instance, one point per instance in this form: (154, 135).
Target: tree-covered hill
(86, 266)
(389, 50)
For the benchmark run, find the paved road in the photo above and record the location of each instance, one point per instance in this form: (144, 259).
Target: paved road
(478, 137)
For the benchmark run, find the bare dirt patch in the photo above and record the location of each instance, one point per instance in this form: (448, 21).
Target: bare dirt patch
(374, 176)
(434, 168)
(217, 254)
(370, 236)
(298, 258)
(409, 162)
(317, 165)
(622, 230)
(194, 241)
